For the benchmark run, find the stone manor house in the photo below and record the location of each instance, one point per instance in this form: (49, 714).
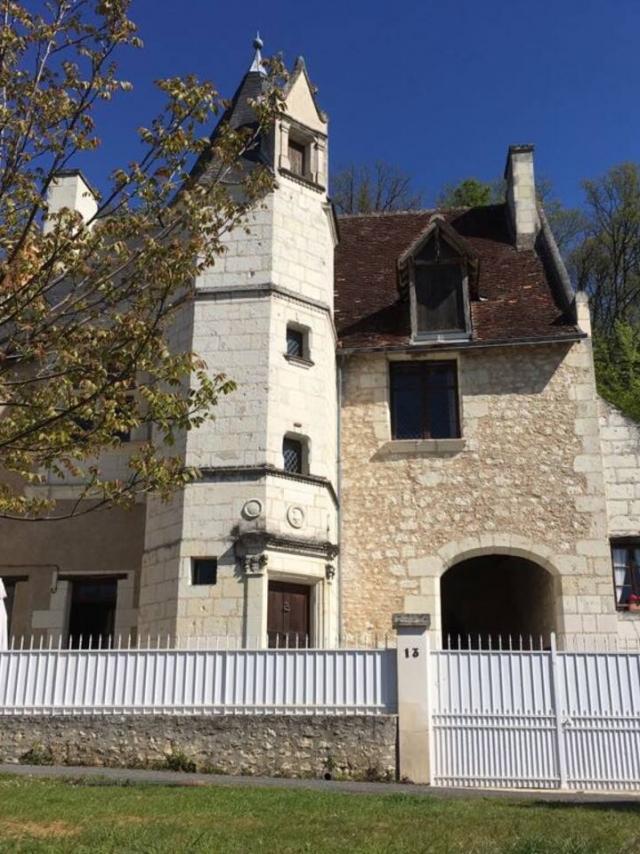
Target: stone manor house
(415, 429)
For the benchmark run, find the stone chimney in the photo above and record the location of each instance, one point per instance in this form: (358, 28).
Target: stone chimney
(69, 189)
(521, 195)
(583, 315)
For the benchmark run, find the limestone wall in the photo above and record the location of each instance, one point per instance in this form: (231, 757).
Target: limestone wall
(621, 459)
(526, 480)
(353, 747)
(620, 437)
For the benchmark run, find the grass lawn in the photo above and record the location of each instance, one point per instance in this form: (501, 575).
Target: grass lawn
(92, 816)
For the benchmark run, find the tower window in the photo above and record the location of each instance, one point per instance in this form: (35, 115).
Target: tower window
(297, 157)
(297, 343)
(294, 455)
(204, 570)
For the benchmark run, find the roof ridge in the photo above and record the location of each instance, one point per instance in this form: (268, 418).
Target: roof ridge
(432, 211)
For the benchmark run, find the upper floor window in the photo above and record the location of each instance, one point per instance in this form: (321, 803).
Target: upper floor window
(424, 400)
(298, 157)
(294, 454)
(435, 271)
(297, 343)
(625, 555)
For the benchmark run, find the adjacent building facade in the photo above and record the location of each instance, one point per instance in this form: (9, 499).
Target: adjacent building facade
(415, 428)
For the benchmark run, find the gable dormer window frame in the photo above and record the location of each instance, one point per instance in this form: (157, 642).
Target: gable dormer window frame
(298, 138)
(410, 263)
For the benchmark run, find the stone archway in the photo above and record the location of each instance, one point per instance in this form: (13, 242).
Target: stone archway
(497, 599)
(431, 568)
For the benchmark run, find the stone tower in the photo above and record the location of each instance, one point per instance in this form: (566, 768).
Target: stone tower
(249, 550)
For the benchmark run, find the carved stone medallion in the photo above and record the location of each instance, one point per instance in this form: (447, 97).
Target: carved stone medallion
(252, 508)
(295, 516)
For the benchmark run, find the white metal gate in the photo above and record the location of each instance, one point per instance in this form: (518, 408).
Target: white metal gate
(535, 719)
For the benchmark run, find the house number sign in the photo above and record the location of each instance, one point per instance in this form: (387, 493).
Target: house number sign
(411, 652)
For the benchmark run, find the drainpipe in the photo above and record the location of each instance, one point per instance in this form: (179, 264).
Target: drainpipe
(339, 490)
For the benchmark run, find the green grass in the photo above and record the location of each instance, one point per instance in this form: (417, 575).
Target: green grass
(56, 816)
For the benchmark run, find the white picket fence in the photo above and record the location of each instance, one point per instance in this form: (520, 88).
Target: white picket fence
(192, 680)
(535, 718)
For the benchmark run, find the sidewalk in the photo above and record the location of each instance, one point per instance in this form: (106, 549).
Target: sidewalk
(178, 778)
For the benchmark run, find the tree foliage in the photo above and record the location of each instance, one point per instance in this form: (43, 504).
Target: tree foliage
(86, 307)
(606, 264)
(471, 192)
(617, 360)
(374, 188)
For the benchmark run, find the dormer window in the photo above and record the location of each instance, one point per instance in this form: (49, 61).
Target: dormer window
(298, 157)
(439, 294)
(436, 271)
(302, 152)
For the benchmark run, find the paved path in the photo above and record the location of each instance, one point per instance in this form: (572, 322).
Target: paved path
(177, 778)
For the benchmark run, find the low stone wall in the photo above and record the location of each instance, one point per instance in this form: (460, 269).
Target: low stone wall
(362, 747)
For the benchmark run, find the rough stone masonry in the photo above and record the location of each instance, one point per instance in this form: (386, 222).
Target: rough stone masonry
(350, 747)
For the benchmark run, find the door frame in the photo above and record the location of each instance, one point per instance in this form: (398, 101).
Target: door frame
(315, 600)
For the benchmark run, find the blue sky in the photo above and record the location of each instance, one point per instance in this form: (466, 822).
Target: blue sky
(438, 88)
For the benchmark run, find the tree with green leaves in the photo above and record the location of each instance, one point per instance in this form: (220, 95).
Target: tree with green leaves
(606, 263)
(617, 361)
(469, 193)
(377, 188)
(86, 306)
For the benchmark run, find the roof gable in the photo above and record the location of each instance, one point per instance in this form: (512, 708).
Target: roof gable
(300, 100)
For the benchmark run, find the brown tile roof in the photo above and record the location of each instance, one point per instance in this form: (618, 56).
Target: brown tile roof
(514, 299)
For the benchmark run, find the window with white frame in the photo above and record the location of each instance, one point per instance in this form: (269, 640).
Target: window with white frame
(625, 554)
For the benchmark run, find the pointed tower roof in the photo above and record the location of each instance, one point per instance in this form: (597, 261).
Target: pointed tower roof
(239, 113)
(257, 64)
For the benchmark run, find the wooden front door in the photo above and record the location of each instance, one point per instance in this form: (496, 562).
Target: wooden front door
(288, 614)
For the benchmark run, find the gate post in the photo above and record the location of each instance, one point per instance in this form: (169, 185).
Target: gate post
(557, 702)
(413, 696)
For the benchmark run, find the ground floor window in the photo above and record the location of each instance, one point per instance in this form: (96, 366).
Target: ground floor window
(625, 555)
(92, 612)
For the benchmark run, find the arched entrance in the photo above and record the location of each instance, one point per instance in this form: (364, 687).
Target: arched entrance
(495, 600)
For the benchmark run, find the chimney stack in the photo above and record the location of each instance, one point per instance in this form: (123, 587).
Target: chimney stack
(69, 189)
(521, 195)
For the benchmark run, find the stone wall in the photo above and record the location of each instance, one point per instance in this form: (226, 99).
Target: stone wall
(526, 479)
(356, 747)
(620, 439)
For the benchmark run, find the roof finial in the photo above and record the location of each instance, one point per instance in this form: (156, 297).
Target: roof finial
(257, 65)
